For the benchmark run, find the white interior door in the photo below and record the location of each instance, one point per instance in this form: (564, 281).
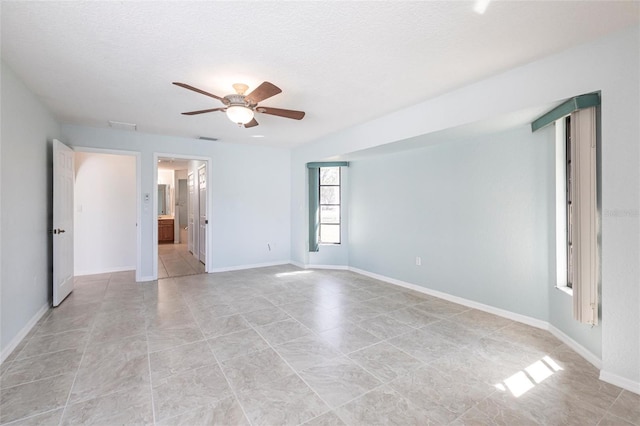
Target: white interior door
(191, 225)
(63, 181)
(202, 208)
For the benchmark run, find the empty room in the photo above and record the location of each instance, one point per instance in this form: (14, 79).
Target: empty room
(320, 213)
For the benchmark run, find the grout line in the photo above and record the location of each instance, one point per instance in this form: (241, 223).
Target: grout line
(291, 367)
(146, 334)
(22, 419)
(233, 391)
(84, 351)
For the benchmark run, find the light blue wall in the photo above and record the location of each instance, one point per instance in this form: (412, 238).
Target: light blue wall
(611, 65)
(250, 192)
(477, 212)
(25, 179)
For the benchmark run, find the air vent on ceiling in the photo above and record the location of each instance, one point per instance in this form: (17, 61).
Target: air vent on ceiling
(123, 126)
(206, 138)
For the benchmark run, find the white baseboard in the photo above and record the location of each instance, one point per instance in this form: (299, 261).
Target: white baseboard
(23, 333)
(534, 322)
(252, 266)
(298, 264)
(577, 347)
(104, 271)
(145, 279)
(619, 381)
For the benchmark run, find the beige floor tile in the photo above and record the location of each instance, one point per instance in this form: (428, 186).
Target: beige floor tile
(45, 419)
(41, 345)
(177, 360)
(237, 344)
(130, 407)
(385, 406)
(385, 361)
(254, 370)
(223, 325)
(216, 347)
(349, 338)
(265, 316)
(41, 367)
(327, 419)
(627, 407)
(220, 413)
(112, 367)
(424, 346)
(34, 398)
(188, 391)
(456, 394)
(306, 352)
(339, 380)
(167, 337)
(282, 331)
(285, 401)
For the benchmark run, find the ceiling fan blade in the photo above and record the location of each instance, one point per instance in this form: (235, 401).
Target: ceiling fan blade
(195, 89)
(202, 111)
(287, 113)
(252, 123)
(262, 92)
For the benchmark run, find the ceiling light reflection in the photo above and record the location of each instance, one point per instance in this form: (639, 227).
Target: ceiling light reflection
(288, 274)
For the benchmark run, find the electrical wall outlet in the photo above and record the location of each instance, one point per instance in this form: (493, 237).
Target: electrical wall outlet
(418, 261)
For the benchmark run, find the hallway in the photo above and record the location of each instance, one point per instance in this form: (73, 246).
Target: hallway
(174, 260)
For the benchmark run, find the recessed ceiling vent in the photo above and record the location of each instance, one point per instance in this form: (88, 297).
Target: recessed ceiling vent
(206, 138)
(123, 126)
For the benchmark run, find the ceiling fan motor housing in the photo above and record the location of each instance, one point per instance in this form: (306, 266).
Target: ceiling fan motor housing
(236, 100)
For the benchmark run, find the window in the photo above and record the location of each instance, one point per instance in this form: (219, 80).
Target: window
(577, 213)
(567, 181)
(329, 202)
(324, 203)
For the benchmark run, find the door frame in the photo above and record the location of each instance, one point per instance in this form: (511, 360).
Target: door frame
(138, 156)
(154, 194)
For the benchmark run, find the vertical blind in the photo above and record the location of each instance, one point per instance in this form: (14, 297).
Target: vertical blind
(584, 216)
(314, 199)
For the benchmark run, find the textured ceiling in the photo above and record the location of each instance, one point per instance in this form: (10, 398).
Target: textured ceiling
(342, 62)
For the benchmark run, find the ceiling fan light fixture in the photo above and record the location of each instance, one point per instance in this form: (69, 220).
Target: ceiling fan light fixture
(239, 114)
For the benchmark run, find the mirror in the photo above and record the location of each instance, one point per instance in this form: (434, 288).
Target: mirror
(163, 196)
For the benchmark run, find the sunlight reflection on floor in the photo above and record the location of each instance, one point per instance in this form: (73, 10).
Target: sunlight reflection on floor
(525, 380)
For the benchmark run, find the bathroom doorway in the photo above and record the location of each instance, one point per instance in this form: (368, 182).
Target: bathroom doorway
(182, 215)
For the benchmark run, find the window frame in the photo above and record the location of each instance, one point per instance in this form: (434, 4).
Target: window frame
(568, 200)
(339, 205)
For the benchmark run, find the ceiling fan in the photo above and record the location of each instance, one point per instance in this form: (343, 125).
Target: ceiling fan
(241, 108)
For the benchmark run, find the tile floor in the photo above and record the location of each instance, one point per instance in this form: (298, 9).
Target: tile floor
(284, 346)
(174, 260)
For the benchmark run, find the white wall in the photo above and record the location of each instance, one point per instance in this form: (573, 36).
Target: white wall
(105, 213)
(26, 185)
(250, 190)
(611, 65)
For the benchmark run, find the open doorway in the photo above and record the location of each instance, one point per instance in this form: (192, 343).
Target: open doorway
(106, 211)
(182, 202)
